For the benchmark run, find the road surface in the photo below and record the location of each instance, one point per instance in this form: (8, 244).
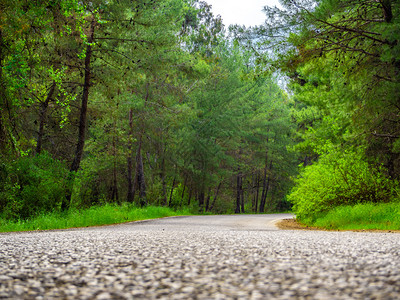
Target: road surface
(199, 257)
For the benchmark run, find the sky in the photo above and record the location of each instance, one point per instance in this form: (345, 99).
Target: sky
(243, 12)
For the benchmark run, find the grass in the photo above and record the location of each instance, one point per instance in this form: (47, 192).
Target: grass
(99, 215)
(384, 216)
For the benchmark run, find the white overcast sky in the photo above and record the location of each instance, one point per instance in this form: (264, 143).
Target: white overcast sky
(243, 12)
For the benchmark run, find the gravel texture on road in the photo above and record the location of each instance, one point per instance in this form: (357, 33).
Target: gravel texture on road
(201, 257)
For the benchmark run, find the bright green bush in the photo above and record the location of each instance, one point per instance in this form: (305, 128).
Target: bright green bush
(339, 179)
(32, 185)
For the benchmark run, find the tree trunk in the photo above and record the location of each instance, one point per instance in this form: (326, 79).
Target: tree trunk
(83, 117)
(272, 195)
(172, 192)
(238, 193)
(184, 188)
(200, 198)
(114, 191)
(163, 182)
(241, 194)
(387, 10)
(42, 117)
(140, 179)
(131, 184)
(215, 196)
(265, 191)
(257, 192)
(85, 97)
(190, 196)
(208, 199)
(114, 187)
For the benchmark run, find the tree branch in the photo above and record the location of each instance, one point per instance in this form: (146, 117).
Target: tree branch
(385, 135)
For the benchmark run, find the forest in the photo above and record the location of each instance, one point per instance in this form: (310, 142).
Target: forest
(157, 102)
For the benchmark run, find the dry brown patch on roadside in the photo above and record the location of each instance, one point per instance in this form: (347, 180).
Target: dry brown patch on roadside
(292, 224)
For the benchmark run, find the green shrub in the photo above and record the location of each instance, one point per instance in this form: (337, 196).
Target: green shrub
(32, 185)
(154, 193)
(177, 201)
(93, 183)
(87, 190)
(339, 179)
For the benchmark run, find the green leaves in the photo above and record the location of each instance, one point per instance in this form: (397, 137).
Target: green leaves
(32, 185)
(339, 179)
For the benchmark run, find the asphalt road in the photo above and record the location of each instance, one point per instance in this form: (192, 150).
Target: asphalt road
(201, 257)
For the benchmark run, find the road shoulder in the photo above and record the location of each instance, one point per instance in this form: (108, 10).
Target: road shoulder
(292, 224)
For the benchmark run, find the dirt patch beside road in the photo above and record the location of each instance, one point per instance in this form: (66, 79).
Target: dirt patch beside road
(291, 224)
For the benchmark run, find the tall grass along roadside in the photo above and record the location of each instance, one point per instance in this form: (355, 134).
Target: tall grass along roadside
(94, 216)
(366, 216)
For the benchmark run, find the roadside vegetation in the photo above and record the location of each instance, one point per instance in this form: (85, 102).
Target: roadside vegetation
(107, 214)
(385, 216)
(342, 190)
(343, 64)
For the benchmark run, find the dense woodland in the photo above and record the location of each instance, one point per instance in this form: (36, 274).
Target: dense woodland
(157, 102)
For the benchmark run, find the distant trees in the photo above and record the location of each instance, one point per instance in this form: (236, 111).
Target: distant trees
(238, 119)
